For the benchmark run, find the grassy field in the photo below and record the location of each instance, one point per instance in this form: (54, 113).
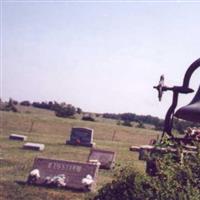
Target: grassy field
(43, 127)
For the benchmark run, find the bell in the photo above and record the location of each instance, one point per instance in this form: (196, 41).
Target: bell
(190, 112)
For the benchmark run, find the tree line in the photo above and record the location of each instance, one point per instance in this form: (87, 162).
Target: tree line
(60, 109)
(67, 110)
(127, 118)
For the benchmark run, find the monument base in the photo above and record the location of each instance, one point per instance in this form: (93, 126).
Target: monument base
(81, 144)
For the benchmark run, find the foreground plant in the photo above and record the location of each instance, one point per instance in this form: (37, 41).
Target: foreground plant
(177, 178)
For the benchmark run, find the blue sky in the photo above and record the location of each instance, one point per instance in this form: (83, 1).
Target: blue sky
(100, 56)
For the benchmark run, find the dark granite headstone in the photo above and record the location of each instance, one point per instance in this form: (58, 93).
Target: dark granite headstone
(106, 158)
(75, 173)
(81, 136)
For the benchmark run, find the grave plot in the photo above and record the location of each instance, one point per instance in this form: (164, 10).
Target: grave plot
(82, 137)
(106, 158)
(63, 174)
(34, 146)
(18, 137)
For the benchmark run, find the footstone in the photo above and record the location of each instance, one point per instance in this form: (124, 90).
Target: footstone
(18, 137)
(82, 137)
(34, 146)
(64, 174)
(106, 158)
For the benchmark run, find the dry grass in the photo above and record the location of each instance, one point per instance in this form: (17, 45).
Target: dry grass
(53, 132)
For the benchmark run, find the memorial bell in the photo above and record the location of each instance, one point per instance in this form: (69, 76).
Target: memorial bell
(190, 112)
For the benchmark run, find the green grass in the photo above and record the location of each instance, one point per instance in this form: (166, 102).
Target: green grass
(53, 132)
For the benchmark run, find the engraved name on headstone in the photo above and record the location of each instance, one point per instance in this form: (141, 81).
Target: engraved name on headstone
(75, 175)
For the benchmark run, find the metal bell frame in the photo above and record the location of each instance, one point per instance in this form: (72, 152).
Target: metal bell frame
(184, 89)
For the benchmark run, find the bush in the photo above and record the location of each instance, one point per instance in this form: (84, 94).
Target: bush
(88, 118)
(10, 106)
(127, 123)
(140, 125)
(79, 110)
(25, 103)
(174, 180)
(43, 105)
(65, 111)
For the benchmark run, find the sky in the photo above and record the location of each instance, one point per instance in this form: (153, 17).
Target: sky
(101, 56)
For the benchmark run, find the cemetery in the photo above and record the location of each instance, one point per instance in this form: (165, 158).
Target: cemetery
(22, 162)
(79, 161)
(100, 100)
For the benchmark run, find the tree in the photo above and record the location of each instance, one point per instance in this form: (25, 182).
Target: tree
(88, 117)
(127, 123)
(25, 103)
(79, 110)
(140, 125)
(65, 111)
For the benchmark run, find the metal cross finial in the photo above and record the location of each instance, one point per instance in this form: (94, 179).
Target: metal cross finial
(160, 87)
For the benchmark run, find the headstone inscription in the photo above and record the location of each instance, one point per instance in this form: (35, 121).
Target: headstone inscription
(34, 146)
(106, 158)
(82, 137)
(62, 173)
(18, 137)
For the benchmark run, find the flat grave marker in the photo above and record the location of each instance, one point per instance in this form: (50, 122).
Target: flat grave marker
(106, 158)
(18, 137)
(65, 174)
(34, 146)
(82, 137)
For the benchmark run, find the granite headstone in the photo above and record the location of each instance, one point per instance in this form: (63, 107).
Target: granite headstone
(76, 174)
(105, 157)
(82, 137)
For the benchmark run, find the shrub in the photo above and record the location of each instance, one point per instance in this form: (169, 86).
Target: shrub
(127, 123)
(25, 103)
(88, 118)
(10, 106)
(174, 180)
(79, 110)
(140, 125)
(65, 111)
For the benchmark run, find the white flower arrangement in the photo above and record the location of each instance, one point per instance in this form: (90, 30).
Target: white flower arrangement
(58, 180)
(88, 180)
(35, 173)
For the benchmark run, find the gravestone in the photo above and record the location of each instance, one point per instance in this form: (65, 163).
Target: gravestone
(34, 146)
(75, 174)
(106, 158)
(82, 137)
(18, 137)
